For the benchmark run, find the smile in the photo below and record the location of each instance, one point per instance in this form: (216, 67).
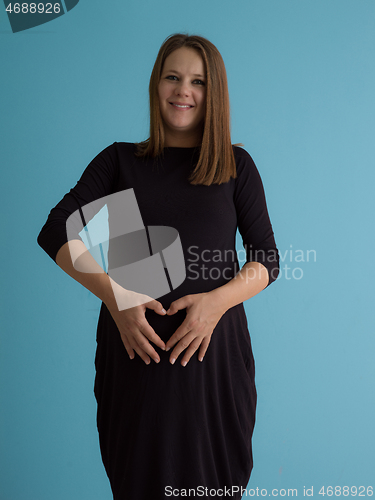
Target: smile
(181, 106)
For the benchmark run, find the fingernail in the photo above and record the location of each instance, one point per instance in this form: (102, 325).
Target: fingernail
(156, 360)
(163, 347)
(167, 348)
(200, 359)
(164, 311)
(172, 361)
(184, 363)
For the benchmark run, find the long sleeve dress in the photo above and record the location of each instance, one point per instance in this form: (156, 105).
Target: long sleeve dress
(165, 427)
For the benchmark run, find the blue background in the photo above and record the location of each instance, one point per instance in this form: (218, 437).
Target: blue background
(301, 80)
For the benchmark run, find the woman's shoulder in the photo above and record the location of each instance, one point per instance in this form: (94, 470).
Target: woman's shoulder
(244, 161)
(125, 146)
(118, 147)
(123, 151)
(240, 152)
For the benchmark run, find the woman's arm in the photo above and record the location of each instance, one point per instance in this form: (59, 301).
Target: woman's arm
(252, 279)
(134, 329)
(261, 269)
(204, 310)
(92, 275)
(98, 181)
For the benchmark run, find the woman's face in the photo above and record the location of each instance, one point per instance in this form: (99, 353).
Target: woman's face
(182, 97)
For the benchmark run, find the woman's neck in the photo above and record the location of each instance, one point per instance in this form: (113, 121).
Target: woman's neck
(182, 140)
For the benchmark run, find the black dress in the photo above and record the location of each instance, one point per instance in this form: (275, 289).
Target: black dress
(163, 426)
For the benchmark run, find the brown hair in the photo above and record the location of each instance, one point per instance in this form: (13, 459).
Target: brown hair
(216, 162)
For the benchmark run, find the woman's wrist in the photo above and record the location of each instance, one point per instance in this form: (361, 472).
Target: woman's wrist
(117, 298)
(220, 299)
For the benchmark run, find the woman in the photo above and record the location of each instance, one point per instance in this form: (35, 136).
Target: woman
(165, 426)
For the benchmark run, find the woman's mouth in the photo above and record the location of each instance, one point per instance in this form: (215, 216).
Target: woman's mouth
(181, 106)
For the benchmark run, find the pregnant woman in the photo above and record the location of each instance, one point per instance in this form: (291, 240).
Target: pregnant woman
(175, 374)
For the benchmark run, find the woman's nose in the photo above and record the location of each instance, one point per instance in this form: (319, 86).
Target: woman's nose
(182, 89)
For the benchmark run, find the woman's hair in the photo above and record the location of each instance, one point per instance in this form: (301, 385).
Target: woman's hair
(216, 162)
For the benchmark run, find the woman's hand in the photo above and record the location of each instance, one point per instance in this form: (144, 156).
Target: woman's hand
(203, 314)
(133, 326)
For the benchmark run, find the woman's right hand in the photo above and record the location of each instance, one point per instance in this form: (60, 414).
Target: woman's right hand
(127, 308)
(135, 330)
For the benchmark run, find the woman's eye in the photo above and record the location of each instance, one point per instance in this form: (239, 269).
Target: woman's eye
(175, 78)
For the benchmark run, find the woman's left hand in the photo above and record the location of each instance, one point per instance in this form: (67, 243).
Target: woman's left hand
(203, 314)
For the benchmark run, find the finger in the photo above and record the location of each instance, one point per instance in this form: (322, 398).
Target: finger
(185, 327)
(131, 346)
(156, 306)
(181, 346)
(146, 329)
(146, 348)
(191, 350)
(142, 354)
(138, 342)
(127, 346)
(179, 304)
(204, 346)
